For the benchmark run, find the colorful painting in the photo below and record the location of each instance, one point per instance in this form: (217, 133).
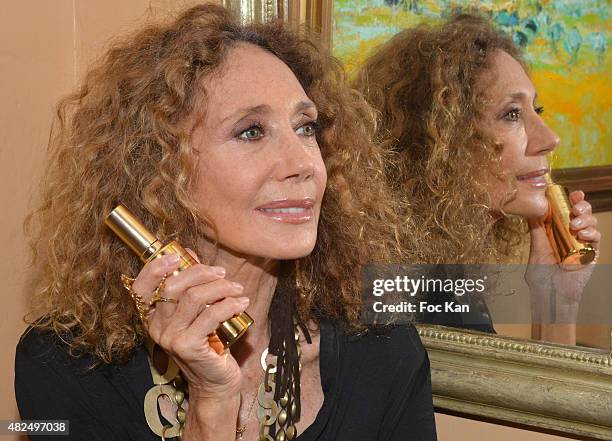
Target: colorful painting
(565, 42)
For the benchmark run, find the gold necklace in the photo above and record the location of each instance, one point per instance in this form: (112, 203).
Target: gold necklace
(271, 412)
(171, 384)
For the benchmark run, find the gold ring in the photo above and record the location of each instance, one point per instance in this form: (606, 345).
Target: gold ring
(163, 300)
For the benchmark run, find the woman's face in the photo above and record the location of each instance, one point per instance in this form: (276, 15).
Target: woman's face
(514, 118)
(261, 175)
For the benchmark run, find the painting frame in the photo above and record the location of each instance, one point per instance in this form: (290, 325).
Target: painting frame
(533, 384)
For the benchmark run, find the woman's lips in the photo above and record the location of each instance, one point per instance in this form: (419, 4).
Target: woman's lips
(535, 179)
(289, 211)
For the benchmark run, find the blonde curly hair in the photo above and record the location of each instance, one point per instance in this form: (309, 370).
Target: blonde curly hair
(424, 83)
(119, 138)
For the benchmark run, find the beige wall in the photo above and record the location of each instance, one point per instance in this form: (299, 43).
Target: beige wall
(44, 48)
(36, 64)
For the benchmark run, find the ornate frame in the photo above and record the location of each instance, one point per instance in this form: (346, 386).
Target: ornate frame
(549, 386)
(552, 387)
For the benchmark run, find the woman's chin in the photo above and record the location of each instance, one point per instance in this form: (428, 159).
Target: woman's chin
(531, 208)
(289, 250)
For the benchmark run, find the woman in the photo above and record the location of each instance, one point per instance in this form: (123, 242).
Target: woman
(243, 143)
(459, 109)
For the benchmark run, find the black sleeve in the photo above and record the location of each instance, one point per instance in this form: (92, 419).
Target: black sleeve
(47, 388)
(416, 422)
(410, 413)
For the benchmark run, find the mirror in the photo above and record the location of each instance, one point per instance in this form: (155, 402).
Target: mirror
(564, 45)
(508, 375)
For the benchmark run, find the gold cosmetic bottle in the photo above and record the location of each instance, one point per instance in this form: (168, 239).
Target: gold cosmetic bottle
(568, 249)
(148, 247)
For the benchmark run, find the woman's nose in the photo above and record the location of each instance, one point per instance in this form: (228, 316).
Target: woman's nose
(542, 139)
(295, 159)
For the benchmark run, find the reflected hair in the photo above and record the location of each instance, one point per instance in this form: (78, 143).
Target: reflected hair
(424, 83)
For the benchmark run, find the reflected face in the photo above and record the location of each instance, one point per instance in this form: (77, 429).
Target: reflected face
(261, 175)
(515, 120)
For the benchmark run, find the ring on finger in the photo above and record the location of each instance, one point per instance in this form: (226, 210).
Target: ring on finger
(162, 300)
(157, 295)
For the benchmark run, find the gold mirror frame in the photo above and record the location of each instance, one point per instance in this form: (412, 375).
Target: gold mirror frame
(545, 385)
(486, 376)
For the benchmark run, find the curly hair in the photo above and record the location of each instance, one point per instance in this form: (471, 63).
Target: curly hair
(424, 83)
(119, 138)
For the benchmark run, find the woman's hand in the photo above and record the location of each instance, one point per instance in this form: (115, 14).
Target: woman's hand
(583, 226)
(205, 299)
(544, 276)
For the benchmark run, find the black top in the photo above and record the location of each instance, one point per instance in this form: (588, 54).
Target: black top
(376, 387)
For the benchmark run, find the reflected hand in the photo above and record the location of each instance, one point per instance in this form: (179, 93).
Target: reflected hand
(544, 275)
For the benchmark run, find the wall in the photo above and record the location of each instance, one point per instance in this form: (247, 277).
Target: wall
(44, 49)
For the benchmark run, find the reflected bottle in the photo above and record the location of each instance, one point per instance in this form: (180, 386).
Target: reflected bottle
(148, 247)
(567, 248)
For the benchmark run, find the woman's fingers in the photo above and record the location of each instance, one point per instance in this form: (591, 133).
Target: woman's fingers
(175, 286)
(581, 207)
(590, 234)
(209, 320)
(583, 221)
(186, 288)
(196, 299)
(576, 196)
(152, 273)
(190, 277)
(583, 227)
(208, 305)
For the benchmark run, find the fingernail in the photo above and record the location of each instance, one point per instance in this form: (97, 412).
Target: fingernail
(219, 271)
(237, 286)
(577, 222)
(171, 259)
(244, 301)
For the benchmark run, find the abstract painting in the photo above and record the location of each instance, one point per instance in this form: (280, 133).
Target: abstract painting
(565, 42)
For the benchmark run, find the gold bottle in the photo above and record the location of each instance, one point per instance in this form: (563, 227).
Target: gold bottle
(568, 249)
(148, 247)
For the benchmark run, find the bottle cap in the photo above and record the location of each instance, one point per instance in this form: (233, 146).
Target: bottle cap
(131, 231)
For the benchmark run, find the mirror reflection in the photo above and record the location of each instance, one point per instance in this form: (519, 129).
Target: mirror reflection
(473, 146)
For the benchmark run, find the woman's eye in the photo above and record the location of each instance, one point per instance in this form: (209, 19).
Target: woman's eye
(513, 115)
(539, 110)
(251, 134)
(309, 129)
